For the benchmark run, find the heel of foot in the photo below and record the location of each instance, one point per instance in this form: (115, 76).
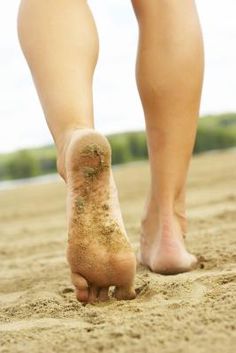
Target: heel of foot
(89, 143)
(88, 154)
(170, 265)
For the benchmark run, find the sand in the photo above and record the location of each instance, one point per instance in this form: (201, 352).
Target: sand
(191, 312)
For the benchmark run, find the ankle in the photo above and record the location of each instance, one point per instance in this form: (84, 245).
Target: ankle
(163, 222)
(62, 145)
(155, 219)
(157, 211)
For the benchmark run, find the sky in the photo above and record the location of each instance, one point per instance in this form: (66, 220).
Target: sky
(116, 102)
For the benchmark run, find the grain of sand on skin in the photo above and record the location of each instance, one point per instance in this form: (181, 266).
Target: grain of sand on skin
(189, 312)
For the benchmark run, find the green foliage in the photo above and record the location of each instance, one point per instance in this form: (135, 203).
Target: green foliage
(21, 165)
(28, 163)
(120, 149)
(48, 165)
(214, 132)
(128, 147)
(226, 122)
(137, 145)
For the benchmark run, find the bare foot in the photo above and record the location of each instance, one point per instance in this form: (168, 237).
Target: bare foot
(99, 252)
(162, 246)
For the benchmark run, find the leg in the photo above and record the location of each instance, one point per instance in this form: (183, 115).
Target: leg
(169, 77)
(59, 40)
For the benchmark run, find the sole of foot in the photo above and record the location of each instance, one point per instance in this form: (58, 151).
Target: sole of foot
(99, 253)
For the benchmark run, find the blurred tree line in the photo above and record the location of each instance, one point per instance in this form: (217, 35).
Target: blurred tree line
(214, 132)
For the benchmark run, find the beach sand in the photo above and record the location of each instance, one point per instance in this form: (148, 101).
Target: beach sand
(190, 312)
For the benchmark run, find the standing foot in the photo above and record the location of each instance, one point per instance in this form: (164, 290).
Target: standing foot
(162, 246)
(99, 253)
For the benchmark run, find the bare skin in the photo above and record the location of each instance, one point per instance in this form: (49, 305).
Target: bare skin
(60, 42)
(169, 77)
(99, 253)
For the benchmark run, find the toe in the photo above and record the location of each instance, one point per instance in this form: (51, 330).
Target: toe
(103, 294)
(81, 287)
(82, 295)
(125, 293)
(93, 294)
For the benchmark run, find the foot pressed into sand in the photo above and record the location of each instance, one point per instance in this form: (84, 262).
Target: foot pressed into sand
(99, 253)
(162, 246)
